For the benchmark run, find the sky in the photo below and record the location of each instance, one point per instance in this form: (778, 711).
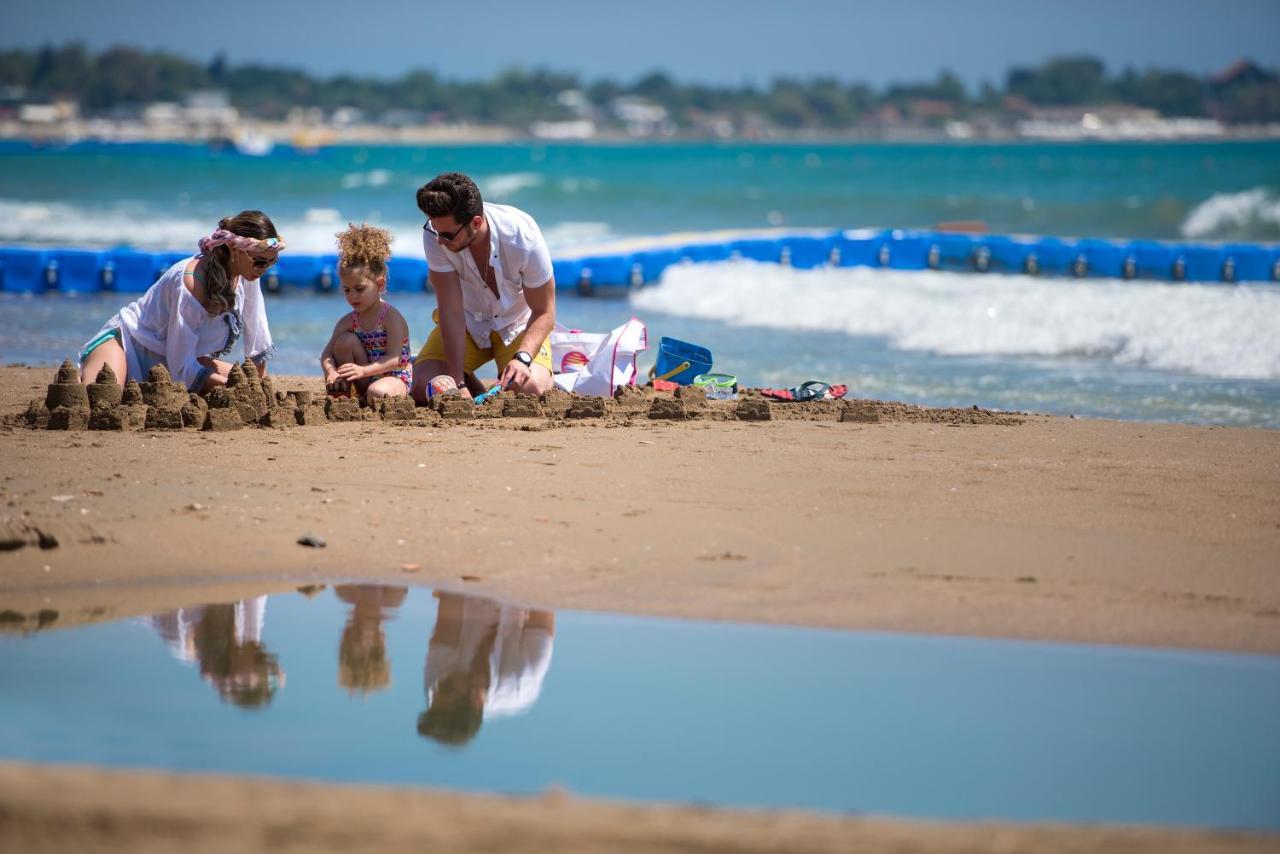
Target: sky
(705, 41)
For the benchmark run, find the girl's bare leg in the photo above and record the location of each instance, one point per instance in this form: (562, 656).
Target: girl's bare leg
(347, 349)
(385, 387)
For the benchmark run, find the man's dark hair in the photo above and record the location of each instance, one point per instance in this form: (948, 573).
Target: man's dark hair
(451, 194)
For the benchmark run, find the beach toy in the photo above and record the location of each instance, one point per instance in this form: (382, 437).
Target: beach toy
(679, 361)
(717, 386)
(489, 395)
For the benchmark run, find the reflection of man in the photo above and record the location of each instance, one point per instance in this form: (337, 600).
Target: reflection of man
(484, 658)
(495, 294)
(363, 666)
(226, 642)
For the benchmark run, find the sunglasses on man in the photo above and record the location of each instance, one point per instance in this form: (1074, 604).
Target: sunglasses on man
(446, 236)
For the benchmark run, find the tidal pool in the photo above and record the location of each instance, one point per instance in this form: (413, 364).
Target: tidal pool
(406, 686)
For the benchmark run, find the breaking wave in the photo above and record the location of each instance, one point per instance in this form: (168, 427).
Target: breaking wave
(1214, 331)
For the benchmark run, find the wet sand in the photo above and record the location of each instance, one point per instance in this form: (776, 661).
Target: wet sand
(1036, 527)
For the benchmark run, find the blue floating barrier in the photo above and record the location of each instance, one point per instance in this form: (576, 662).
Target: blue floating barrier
(165, 260)
(1102, 258)
(406, 275)
(79, 270)
(858, 249)
(1050, 255)
(1245, 262)
(701, 253)
(1273, 255)
(949, 252)
(997, 252)
(1150, 259)
(298, 271)
(764, 250)
(327, 278)
(24, 271)
(566, 273)
(653, 263)
(806, 252)
(908, 250)
(1199, 264)
(129, 270)
(607, 271)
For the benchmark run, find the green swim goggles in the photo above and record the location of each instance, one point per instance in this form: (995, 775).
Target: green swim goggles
(721, 383)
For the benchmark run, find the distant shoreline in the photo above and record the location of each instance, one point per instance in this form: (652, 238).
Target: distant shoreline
(304, 139)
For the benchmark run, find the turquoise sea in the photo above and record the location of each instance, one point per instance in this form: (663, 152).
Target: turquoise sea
(1139, 350)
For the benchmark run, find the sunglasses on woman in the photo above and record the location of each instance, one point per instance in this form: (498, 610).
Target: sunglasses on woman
(262, 262)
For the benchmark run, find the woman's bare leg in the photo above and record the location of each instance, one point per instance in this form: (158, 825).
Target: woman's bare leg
(109, 352)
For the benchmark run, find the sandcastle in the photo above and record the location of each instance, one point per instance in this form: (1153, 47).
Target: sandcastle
(106, 399)
(164, 398)
(246, 399)
(105, 391)
(66, 404)
(65, 390)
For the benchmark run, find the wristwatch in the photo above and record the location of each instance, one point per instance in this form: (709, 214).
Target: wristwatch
(524, 358)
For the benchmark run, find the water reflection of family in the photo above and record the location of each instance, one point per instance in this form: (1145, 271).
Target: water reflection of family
(225, 642)
(484, 658)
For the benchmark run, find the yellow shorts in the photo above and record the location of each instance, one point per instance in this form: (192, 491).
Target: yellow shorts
(474, 357)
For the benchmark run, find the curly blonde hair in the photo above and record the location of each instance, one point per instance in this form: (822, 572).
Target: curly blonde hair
(364, 247)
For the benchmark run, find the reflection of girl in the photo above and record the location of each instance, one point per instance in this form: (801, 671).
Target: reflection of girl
(483, 658)
(226, 641)
(363, 666)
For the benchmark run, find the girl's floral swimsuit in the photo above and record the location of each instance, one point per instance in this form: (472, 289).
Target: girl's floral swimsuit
(375, 347)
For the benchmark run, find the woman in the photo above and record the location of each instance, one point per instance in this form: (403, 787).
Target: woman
(196, 312)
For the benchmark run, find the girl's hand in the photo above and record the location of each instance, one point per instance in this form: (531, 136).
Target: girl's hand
(351, 372)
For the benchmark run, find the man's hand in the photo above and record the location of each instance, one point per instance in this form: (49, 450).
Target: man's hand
(514, 374)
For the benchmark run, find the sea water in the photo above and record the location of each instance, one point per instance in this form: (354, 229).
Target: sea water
(1139, 350)
(353, 684)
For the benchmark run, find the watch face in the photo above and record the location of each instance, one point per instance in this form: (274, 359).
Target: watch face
(524, 359)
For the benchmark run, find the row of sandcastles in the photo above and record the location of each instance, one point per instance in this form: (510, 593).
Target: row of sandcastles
(248, 400)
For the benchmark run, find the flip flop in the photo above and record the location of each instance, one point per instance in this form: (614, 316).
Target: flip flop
(811, 390)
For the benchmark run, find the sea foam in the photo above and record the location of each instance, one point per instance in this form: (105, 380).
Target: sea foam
(1215, 330)
(1249, 215)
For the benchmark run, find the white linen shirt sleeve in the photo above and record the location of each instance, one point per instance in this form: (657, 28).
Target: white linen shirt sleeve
(182, 341)
(536, 271)
(258, 346)
(438, 260)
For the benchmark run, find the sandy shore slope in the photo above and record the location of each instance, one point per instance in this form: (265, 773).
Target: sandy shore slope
(46, 809)
(1050, 528)
(1054, 528)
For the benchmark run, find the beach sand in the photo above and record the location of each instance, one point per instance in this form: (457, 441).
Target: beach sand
(942, 522)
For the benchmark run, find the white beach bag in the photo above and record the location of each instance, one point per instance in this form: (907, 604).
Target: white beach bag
(596, 363)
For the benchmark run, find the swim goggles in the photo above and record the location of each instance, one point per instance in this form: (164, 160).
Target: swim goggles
(716, 382)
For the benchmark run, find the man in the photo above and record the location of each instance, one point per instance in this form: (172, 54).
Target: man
(495, 293)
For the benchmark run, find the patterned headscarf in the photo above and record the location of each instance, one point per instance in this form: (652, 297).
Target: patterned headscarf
(222, 237)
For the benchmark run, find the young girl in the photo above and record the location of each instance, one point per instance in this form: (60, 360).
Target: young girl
(369, 349)
(190, 319)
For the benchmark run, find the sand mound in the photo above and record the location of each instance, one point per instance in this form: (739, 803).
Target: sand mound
(249, 401)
